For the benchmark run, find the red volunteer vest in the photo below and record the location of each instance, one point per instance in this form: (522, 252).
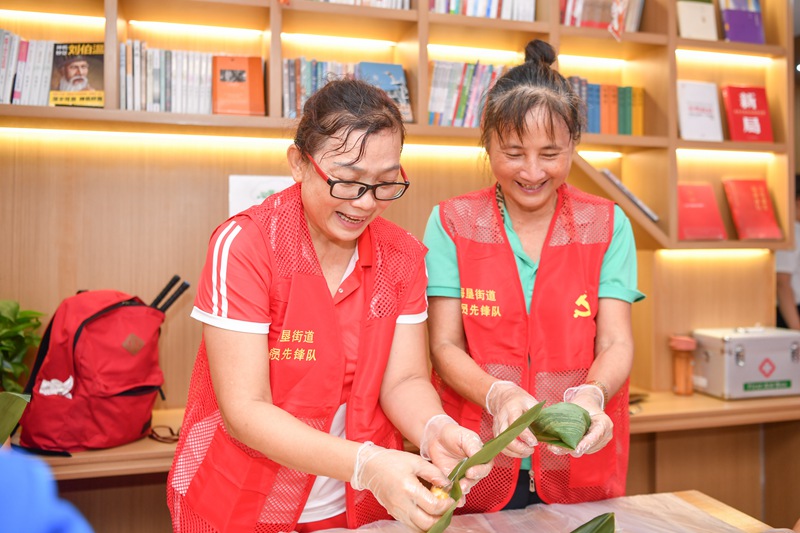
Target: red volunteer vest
(545, 351)
(218, 483)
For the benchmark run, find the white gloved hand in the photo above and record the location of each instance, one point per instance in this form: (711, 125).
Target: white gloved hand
(446, 443)
(506, 402)
(393, 477)
(601, 430)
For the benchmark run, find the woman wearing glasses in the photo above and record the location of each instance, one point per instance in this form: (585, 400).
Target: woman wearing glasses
(531, 285)
(313, 360)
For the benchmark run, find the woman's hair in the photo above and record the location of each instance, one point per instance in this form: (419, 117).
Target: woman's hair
(341, 107)
(533, 85)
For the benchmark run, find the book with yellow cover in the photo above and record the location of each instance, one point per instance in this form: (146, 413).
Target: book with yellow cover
(77, 76)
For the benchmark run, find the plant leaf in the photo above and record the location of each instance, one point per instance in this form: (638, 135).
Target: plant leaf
(604, 523)
(488, 452)
(9, 309)
(11, 407)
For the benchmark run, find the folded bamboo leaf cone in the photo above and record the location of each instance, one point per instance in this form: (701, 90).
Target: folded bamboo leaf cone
(562, 424)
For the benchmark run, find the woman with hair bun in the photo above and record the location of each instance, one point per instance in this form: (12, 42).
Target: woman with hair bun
(530, 286)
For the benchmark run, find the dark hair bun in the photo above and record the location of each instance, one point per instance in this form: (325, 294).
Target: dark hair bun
(539, 51)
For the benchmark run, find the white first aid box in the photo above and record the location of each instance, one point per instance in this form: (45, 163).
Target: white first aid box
(736, 363)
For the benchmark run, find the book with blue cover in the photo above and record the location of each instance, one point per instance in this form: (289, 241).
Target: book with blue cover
(742, 21)
(391, 78)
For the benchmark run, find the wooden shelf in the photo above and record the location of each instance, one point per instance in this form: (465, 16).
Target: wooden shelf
(660, 412)
(665, 411)
(144, 456)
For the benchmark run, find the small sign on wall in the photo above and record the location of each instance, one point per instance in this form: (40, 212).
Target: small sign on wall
(245, 190)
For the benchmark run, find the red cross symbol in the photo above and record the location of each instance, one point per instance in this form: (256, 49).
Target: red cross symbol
(767, 367)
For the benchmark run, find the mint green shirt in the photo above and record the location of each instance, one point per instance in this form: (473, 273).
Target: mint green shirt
(618, 275)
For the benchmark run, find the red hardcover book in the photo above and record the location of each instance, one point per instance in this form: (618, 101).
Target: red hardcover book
(238, 85)
(751, 208)
(698, 213)
(747, 112)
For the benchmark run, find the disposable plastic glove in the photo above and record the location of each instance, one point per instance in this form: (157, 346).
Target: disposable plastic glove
(601, 430)
(393, 478)
(506, 402)
(446, 443)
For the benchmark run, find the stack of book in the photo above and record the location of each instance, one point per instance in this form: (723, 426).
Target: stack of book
(522, 10)
(601, 13)
(458, 92)
(611, 109)
(154, 79)
(41, 72)
(741, 20)
(303, 77)
(388, 4)
(746, 110)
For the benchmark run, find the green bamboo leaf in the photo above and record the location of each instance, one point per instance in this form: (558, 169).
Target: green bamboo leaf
(11, 407)
(488, 452)
(604, 523)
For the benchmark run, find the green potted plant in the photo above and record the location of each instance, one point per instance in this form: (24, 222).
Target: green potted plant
(17, 336)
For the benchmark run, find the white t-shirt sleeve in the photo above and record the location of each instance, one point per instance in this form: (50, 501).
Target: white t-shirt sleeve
(233, 290)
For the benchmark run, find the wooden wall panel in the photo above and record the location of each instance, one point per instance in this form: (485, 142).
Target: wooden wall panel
(125, 213)
(699, 289)
(724, 463)
(84, 210)
(130, 504)
(782, 467)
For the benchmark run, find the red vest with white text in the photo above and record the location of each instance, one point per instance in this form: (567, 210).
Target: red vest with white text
(218, 483)
(545, 351)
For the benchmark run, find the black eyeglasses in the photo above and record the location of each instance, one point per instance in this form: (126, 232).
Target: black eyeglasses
(353, 190)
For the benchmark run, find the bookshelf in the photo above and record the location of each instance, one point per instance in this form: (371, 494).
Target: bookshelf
(107, 198)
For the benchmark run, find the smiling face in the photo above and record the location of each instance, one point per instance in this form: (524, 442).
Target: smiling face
(529, 168)
(332, 221)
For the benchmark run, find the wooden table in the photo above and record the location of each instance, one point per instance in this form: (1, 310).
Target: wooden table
(675, 441)
(726, 513)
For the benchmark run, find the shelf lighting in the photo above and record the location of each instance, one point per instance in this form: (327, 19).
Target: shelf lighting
(191, 30)
(723, 155)
(158, 139)
(569, 62)
(435, 150)
(61, 20)
(721, 58)
(703, 254)
(192, 140)
(597, 155)
(486, 55)
(327, 41)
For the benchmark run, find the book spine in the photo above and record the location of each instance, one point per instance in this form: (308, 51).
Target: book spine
(47, 72)
(19, 77)
(137, 75)
(12, 61)
(33, 73)
(466, 86)
(168, 70)
(5, 50)
(122, 84)
(637, 111)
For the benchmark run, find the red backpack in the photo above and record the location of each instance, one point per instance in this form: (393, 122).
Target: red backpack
(96, 375)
